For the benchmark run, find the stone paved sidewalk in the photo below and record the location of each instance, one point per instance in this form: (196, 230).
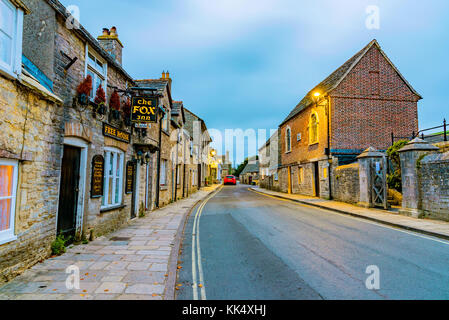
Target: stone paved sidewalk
(129, 264)
(393, 218)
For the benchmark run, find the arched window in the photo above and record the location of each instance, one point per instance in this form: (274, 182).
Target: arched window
(313, 129)
(288, 139)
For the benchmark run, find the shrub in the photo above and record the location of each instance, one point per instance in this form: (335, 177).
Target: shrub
(58, 246)
(394, 179)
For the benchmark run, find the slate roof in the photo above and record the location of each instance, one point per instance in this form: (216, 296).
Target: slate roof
(177, 108)
(177, 113)
(336, 77)
(158, 84)
(251, 167)
(190, 119)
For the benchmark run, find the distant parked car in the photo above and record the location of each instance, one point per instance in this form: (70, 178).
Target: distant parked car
(230, 180)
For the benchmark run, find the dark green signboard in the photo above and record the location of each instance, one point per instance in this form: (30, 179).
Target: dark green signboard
(97, 176)
(144, 109)
(129, 182)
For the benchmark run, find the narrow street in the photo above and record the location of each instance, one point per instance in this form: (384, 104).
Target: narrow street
(253, 246)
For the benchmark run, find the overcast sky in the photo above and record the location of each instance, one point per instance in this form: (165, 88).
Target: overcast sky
(247, 63)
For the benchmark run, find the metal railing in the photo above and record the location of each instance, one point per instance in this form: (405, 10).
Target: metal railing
(421, 134)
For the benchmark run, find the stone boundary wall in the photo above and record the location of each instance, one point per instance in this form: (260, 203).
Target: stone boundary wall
(346, 183)
(433, 173)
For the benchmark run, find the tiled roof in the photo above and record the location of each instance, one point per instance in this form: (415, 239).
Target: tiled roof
(251, 167)
(336, 77)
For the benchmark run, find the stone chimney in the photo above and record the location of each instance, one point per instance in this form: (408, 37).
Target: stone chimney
(166, 76)
(110, 42)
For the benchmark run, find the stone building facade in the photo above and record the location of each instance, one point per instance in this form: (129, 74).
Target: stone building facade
(29, 163)
(68, 164)
(357, 106)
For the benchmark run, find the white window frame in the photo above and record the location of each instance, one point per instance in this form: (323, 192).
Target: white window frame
(165, 121)
(8, 235)
(105, 203)
(288, 140)
(14, 68)
(97, 73)
(163, 177)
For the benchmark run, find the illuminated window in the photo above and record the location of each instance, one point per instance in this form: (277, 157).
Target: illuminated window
(288, 139)
(324, 173)
(8, 189)
(11, 26)
(113, 178)
(313, 129)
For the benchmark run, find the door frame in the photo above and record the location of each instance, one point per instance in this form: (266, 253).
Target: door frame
(79, 143)
(136, 189)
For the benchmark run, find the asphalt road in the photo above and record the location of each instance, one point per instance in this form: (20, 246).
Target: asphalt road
(258, 247)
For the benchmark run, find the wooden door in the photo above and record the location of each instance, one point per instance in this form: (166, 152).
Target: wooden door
(316, 177)
(69, 191)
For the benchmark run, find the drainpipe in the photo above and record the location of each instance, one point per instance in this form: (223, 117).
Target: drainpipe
(176, 171)
(158, 173)
(329, 158)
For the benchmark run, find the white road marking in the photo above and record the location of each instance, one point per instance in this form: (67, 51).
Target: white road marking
(196, 255)
(357, 218)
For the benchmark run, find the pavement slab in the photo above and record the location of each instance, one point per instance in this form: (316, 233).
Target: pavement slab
(135, 269)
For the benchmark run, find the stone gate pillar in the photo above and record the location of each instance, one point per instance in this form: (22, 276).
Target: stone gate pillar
(366, 159)
(409, 155)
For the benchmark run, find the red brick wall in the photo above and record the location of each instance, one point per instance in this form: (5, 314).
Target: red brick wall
(302, 151)
(371, 103)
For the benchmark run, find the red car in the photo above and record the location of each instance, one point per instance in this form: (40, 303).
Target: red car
(230, 180)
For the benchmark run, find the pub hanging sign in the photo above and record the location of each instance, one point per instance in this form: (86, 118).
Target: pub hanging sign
(144, 109)
(96, 190)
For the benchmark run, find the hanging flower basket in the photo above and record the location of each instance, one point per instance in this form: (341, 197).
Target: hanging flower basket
(126, 110)
(100, 100)
(83, 90)
(114, 104)
(101, 109)
(115, 114)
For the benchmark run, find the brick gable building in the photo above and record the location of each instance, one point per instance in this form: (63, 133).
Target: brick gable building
(357, 106)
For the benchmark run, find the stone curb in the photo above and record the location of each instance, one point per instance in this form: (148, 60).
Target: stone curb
(391, 224)
(169, 293)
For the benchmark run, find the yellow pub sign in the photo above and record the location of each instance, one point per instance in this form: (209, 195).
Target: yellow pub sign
(144, 109)
(117, 134)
